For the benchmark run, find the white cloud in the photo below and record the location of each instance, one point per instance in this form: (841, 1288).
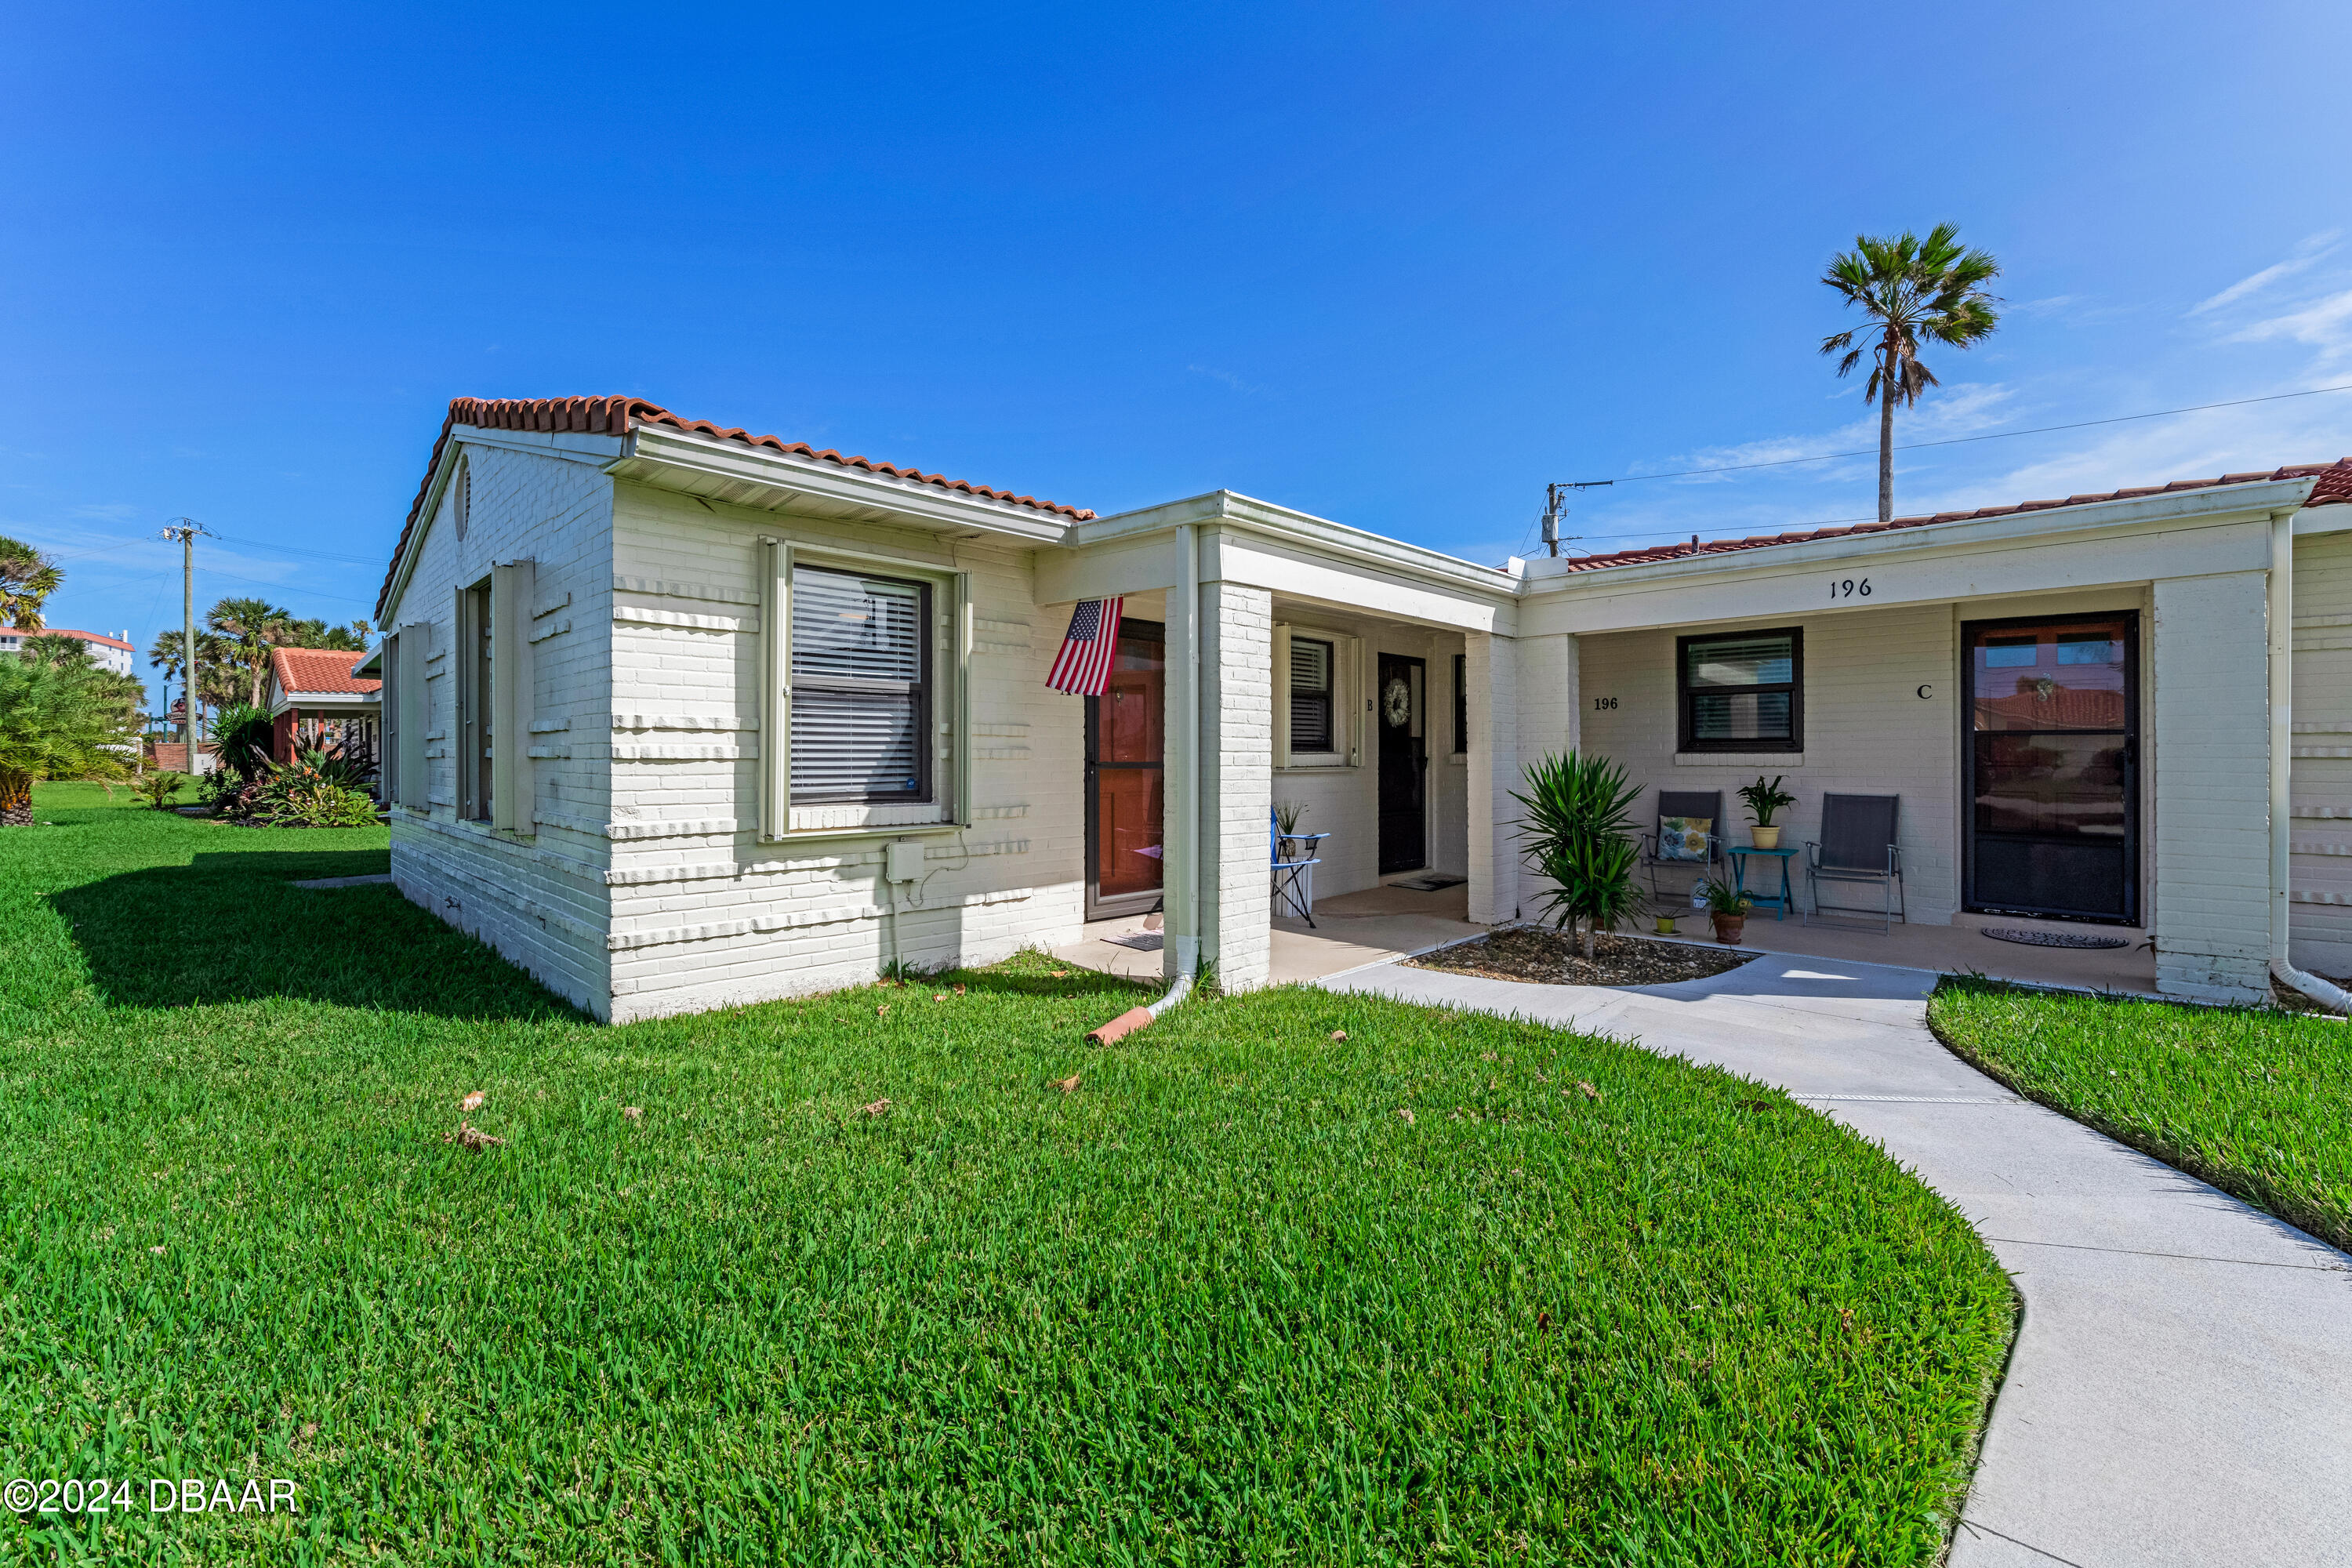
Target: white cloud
(2051, 306)
(1945, 412)
(2301, 257)
(1228, 377)
(2325, 324)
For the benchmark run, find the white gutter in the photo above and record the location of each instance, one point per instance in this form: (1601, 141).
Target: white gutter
(2282, 650)
(1184, 945)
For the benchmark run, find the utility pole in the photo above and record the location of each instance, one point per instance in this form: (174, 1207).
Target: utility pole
(184, 530)
(1556, 508)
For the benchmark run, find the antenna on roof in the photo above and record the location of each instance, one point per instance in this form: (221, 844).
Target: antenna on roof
(1556, 510)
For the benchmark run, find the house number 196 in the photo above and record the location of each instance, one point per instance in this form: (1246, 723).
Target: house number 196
(1849, 588)
(1602, 704)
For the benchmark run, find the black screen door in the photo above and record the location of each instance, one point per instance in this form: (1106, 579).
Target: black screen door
(1397, 710)
(1125, 727)
(2052, 766)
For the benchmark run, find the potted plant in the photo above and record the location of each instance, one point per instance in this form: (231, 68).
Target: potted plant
(1665, 925)
(1764, 801)
(1728, 907)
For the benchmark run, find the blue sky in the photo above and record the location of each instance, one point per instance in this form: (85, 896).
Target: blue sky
(1398, 266)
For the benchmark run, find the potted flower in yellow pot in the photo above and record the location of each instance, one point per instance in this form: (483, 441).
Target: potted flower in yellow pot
(1766, 801)
(1728, 907)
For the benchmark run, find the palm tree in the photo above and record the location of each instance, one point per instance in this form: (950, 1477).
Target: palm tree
(216, 665)
(312, 632)
(26, 577)
(1910, 289)
(255, 626)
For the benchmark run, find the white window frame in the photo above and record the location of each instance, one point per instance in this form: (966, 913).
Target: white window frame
(948, 673)
(1347, 684)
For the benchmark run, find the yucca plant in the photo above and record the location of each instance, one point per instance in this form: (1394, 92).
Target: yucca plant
(1578, 835)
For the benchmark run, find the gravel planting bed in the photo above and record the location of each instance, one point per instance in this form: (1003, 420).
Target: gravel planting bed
(1550, 958)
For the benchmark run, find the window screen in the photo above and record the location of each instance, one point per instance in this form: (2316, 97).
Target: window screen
(1741, 692)
(1310, 695)
(861, 692)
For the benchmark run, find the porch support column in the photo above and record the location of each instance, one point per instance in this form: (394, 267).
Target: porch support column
(1550, 706)
(1490, 673)
(1236, 782)
(2211, 730)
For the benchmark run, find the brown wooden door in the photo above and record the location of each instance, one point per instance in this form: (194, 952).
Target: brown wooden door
(1126, 750)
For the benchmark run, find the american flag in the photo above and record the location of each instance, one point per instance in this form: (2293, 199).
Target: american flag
(1083, 666)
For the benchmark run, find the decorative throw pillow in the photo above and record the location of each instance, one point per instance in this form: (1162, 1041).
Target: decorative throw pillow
(1684, 837)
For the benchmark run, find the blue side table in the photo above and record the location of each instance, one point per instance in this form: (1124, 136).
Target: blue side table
(1779, 903)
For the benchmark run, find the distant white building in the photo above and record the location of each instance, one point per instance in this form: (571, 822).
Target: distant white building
(111, 652)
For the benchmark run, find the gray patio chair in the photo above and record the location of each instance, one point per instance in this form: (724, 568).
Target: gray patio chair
(1684, 803)
(1857, 845)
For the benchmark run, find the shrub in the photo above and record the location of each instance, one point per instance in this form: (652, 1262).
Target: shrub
(315, 804)
(317, 789)
(243, 733)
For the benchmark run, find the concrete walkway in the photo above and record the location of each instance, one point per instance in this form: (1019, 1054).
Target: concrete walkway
(2181, 1388)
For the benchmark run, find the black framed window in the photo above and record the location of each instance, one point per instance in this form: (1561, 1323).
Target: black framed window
(861, 687)
(1311, 665)
(1461, 702)
(1741, 692)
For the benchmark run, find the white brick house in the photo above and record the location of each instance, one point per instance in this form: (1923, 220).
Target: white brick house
(677, 717)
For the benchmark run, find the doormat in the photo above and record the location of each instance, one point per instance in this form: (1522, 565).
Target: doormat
(2051, 938)
(1141, 941)
(1430, 883)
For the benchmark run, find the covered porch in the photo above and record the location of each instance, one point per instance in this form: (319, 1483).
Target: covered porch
(1383, 925)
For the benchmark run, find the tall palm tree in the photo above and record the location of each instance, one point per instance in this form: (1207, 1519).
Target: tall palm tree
(216, 665)
(1910, 289)
(26, 577)
(255, 626)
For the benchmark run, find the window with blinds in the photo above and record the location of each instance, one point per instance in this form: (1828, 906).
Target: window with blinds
(1742, 692)
(1310, 696)
(861, 687)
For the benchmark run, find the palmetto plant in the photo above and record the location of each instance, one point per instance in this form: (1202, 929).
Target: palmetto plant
(60, 717)
(253, 626)
(1579, 834)
(1910, 289)
(26, 577)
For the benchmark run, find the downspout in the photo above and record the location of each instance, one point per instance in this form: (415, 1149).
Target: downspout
(1185, 944)
(2281, 679)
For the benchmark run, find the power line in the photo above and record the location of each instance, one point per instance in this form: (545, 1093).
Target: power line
(1994, 436)
(298, 550)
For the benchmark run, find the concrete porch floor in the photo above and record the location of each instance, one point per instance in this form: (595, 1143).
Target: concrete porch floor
(1377, 924)
(1371, 926)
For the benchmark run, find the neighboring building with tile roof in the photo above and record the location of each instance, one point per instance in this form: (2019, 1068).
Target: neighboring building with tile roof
(679, 717)
(315, 698)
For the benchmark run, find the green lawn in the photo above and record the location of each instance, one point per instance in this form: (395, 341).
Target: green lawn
(1221, 1304)
(2249, 1100)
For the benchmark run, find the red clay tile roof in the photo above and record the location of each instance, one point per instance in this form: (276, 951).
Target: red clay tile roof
(2334, 489)
(617, 415)
(319, 670)
(86, 636)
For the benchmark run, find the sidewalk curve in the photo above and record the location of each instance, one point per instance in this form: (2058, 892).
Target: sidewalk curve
(2181, 1388)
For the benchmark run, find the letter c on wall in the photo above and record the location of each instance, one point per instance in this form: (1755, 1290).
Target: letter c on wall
(1927, 691)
